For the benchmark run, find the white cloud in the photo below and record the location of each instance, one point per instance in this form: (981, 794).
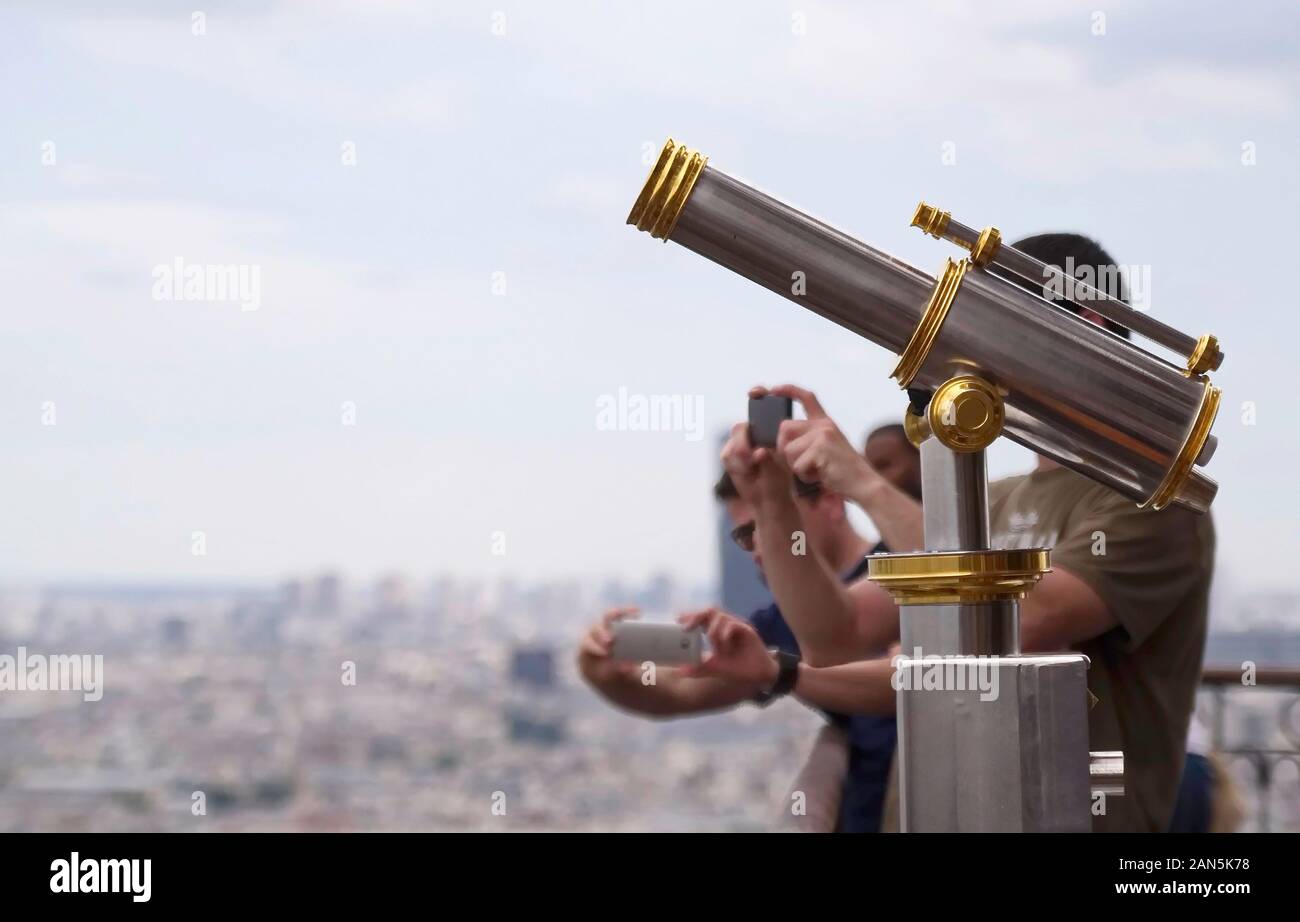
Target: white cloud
(255, 55)
(86, 176)
(598, 195)
(860, 71)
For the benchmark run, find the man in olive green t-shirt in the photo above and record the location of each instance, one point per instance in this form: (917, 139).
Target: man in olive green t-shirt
(1152, 570)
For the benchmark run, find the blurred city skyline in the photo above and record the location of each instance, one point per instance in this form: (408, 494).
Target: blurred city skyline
(324, 705)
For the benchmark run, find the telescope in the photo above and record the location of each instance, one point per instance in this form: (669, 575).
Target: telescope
(987, 348)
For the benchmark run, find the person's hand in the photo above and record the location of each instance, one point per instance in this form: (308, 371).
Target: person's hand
(758, 473)
(736, 652)
(816, 450)
(593, 650)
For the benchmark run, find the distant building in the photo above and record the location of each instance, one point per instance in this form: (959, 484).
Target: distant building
(291, 594)
(533, 666)
(393, 595)
(388, 747)
(327, 593)
(740, 588)
(526, 725)
(175, 634)
(658, 594)
(531, 718)
(614, 593)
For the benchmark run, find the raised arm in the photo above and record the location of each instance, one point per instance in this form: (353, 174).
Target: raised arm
(816, 450)
(832, 623)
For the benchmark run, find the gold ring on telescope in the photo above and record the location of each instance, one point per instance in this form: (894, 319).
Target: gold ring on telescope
(931, 220)
(1205, 357)
(927, 330)
(1182, 464)
(986, 248)
(666, 190)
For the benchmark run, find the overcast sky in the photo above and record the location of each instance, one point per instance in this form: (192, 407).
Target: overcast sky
(468, 286)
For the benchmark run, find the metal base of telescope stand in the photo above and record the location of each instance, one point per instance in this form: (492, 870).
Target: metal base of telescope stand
(989, 740)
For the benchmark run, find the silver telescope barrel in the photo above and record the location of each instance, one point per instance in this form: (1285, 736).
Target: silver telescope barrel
(1073, 391)
(869, 292)
(988, 249)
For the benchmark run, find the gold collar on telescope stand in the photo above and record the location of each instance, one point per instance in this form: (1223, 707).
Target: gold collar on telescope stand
(959, 577)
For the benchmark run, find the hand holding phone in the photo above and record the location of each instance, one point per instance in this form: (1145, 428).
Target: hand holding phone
(661, 643)
(765, 417)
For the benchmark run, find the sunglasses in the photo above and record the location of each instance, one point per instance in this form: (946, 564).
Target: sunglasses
(743, 535)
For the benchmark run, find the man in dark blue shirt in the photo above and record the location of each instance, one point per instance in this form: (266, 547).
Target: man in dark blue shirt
(827, 535)
(871, 738)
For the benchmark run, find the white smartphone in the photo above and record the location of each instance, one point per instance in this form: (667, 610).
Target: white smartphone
(662, 643)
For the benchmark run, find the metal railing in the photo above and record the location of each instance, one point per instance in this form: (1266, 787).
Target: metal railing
(1253, 720)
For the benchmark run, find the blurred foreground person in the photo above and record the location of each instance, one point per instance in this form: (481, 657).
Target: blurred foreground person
(844, 780)
(1208, 798)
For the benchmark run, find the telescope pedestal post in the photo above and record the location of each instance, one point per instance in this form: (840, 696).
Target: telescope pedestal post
(989, 740)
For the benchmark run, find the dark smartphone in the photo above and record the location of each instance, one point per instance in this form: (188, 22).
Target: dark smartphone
(765, 416)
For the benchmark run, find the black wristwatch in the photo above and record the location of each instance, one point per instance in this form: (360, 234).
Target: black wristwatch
(787, 673)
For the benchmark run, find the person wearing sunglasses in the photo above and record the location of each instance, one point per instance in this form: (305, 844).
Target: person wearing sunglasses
(863, 744)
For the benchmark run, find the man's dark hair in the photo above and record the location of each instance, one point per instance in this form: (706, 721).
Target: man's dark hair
(1056, 249)
(895, 429)
(725, 489)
